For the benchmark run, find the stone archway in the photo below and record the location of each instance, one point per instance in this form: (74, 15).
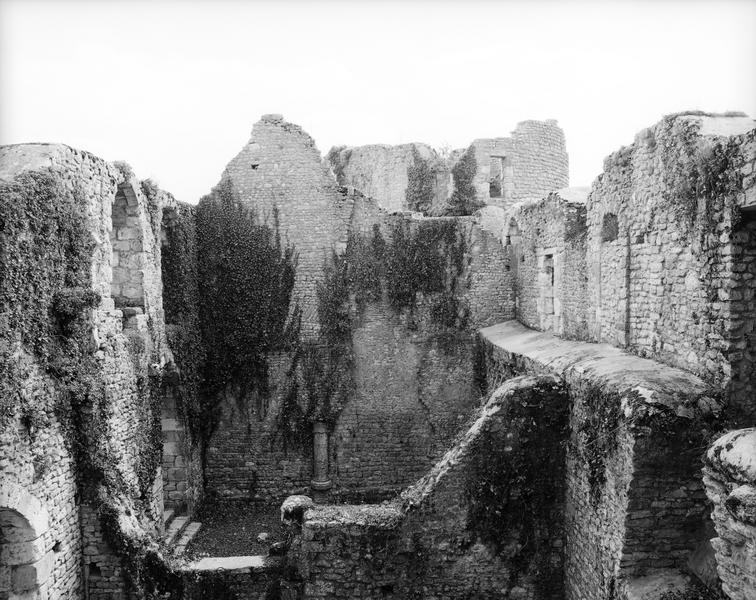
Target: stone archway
(24, 564)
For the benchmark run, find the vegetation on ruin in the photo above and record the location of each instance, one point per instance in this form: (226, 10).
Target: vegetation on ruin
(427, 260)
(693, 170)
(45, 298)
(516, 489)
(181, 307)
(464, 200)
(246, 277)
(598, 434)
(421, 182)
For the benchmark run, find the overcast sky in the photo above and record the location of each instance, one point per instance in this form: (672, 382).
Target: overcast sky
(174, 87)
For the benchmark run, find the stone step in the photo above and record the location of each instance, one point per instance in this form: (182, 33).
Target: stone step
(175, 529)
(189, 533)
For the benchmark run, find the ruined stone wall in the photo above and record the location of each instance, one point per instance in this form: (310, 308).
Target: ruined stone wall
(546, 242)
(280, 168)
(123, 343)
(664, 250)
(413, 385)
(380, 171)
(390, 431)
(730, 478)
(431, 543)
(413, 391)
(530, 164)
(634, 500)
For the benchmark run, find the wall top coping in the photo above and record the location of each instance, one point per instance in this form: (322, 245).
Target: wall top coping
(240, 564)
(653, 382)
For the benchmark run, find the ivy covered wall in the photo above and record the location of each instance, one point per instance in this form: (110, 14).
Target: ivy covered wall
(82, 377)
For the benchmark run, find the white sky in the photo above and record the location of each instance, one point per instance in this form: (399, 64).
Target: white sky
(174, 87)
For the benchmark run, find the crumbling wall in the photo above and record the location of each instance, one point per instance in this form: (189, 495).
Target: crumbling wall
(730, 479)
(280, 168)
(667, 244)
(117, 437)
(444, 539)
(634, 500)
(530, 164)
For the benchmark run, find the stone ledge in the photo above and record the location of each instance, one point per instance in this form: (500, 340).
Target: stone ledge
(653, 382)
(237, 564)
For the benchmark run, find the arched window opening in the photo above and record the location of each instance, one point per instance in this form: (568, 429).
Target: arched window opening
(127, 286)
(609, 228)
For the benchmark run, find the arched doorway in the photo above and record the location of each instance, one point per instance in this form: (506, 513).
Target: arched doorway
(25, 566)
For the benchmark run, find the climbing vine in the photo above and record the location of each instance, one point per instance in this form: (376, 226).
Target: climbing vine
(181, 306)
(425, 260)
(246, 277)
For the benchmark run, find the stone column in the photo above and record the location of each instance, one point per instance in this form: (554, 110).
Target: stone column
(320, 482)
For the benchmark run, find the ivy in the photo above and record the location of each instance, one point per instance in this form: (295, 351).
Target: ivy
(421, 182)
(464, 200)
(46, 295)
(515, 483)
(246, 277)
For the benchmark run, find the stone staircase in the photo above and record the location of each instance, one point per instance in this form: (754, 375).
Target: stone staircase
(179, 530)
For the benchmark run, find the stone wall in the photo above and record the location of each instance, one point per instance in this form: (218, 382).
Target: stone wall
(546, 242)
(412, 392)
(236, 577)
(124, 342)
(413, 384)
(730, 479)
(669, 257)
(428, 544)
(530, 164)
(380, 171)
(280, 168)
(634, 501)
